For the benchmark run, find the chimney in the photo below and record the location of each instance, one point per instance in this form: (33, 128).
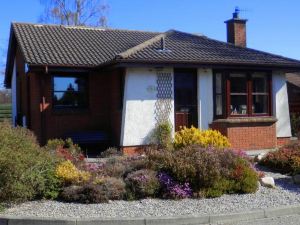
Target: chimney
(236, 29)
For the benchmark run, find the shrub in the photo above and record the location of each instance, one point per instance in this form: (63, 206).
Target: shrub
(88, 193)
(284, 160)
(2, 208)
(173, 190)
(115, 188)
(26, 171)
(142, 183)
(120, 166)
(206, 138)
(162, 135)
(209, 171)
(110, 152)
(68, 173)
(114, 168)
(65, 149)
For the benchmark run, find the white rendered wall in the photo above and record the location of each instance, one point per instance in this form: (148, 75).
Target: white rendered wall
(281, 105)
(205, 98)
(14, 94)
(140, 95)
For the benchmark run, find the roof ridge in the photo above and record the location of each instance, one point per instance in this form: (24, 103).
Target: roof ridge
(145, 44)
(82, 27)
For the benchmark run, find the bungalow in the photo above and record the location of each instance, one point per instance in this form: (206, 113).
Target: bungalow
(123, 83)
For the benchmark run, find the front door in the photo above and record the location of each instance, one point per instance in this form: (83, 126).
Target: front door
(185, 96)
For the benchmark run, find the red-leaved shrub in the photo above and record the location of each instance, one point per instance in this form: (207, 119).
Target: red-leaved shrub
(284, 160)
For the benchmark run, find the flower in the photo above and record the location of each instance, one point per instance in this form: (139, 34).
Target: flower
(173, 189)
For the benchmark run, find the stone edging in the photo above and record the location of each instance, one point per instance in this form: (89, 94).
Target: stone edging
(177, 220)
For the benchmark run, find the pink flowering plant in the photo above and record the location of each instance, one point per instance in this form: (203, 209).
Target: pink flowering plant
(172, 189)
(142, 184)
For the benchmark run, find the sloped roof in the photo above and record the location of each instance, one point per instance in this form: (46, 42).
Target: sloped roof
(57, 45)
(73, 46)
(63, 45)
(185, 47)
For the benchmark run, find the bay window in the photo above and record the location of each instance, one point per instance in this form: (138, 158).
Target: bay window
(242, 94)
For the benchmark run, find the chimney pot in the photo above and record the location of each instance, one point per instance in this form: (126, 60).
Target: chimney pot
(236, 14)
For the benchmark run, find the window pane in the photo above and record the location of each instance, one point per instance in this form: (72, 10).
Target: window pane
(238, 104)
(69, 92)
(69, 84)
(219, 106)
(218, 83)
(68, 99)
(260, 104)
(238, 83)
(260, 83)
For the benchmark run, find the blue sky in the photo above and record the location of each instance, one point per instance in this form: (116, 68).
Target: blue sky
(273, 26)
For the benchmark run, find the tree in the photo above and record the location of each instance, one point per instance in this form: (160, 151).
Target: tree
(75, 12)
(3, 53)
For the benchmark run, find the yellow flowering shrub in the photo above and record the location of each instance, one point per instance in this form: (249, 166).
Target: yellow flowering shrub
(68, 172)
(204, 138)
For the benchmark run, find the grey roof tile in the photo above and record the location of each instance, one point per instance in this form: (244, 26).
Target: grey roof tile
(77, 46)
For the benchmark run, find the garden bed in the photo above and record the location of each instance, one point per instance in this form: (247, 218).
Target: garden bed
(196, 174)
(286, 193)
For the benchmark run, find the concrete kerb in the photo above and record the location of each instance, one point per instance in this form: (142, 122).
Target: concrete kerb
(19, 220)
(177, 220)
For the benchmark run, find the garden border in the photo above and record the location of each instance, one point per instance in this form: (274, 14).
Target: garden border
(201, 219)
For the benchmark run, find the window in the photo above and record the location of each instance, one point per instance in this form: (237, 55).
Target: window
(219, 94)
(241, 94)
(238, 94)
(69, 92)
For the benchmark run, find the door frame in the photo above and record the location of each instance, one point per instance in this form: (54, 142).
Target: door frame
(185, 116)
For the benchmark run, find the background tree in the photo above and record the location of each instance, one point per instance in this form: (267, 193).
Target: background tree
(75, 12)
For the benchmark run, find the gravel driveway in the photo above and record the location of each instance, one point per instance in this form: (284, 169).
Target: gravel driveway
(286, 193)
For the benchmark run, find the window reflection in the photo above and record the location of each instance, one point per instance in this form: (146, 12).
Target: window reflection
(69, 92)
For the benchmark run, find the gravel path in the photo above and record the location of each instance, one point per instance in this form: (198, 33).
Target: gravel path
(286, 193)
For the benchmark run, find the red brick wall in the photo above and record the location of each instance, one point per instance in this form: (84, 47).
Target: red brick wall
(283, 141)
(248, 136)
(236, 33)
(134, 150)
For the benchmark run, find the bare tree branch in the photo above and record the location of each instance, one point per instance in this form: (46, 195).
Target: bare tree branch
(75, 12)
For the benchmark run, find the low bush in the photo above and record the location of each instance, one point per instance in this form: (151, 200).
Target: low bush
(209, 171)
(2, 208)
(111, 152)
(120, 166)
(69, 174)
(108, 188)
(284, 160)
(88, 193)
(173, 190)
(65, 149)
(26, 171)
(162, 136)
(115, 188)
(204, 138)
(142, 184)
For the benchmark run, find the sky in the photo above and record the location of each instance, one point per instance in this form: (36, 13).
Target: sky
(273, 25)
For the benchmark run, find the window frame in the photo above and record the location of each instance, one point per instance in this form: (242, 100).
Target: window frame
(226, 99)
(70, 75)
